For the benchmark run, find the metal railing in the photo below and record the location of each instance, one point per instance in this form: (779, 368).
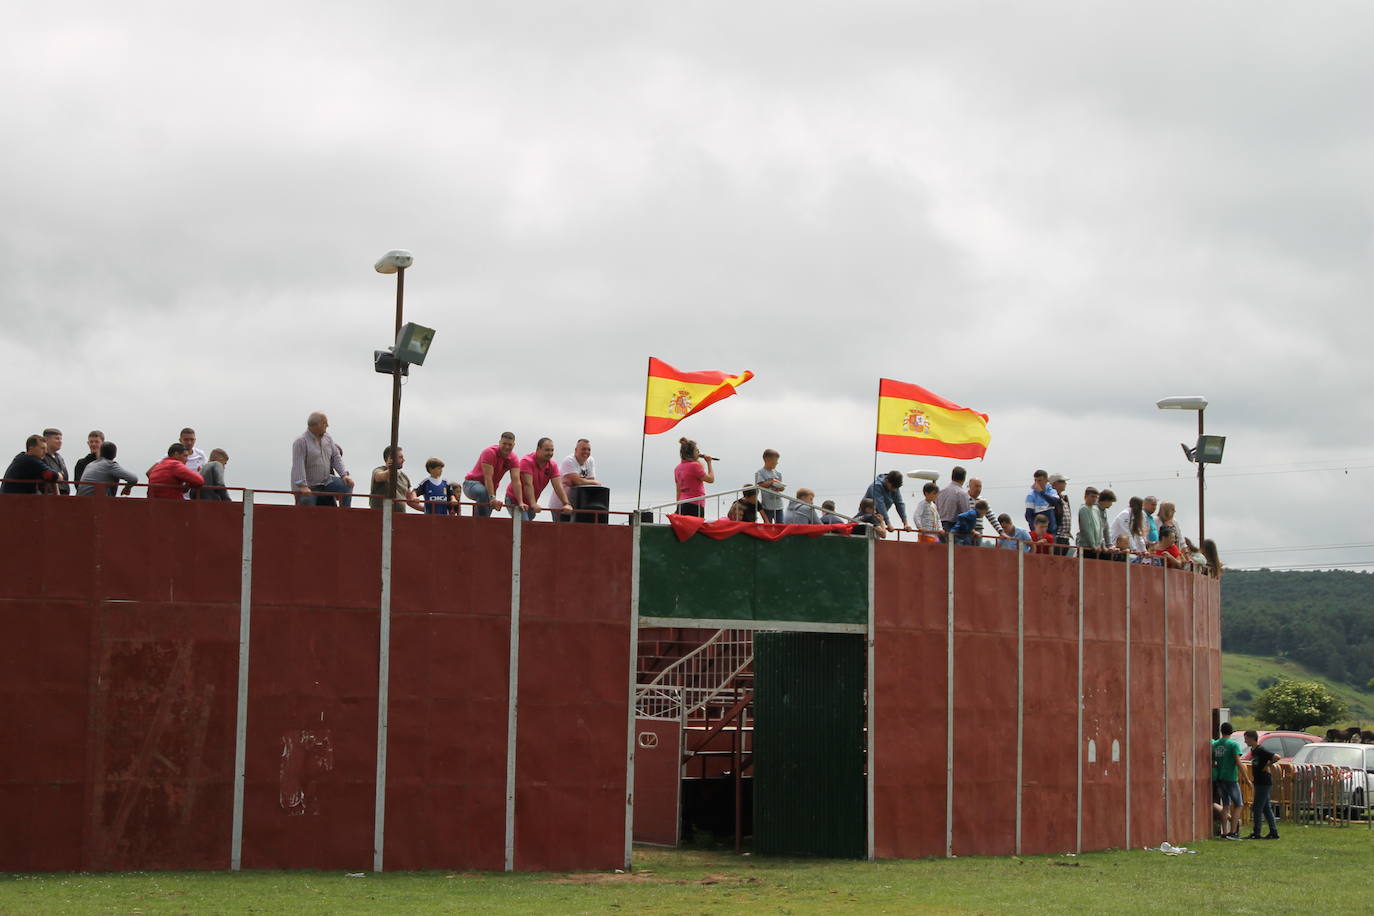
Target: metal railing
(697, 679)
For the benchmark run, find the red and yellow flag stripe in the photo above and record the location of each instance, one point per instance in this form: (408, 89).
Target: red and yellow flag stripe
(914, 421)
(672, 395)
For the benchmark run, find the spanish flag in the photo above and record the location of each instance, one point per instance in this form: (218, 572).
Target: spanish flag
(671, 395)
(913, 421)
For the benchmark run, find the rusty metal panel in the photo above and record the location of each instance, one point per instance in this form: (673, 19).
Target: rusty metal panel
(658, 782)
(570, 765)
(809, 787)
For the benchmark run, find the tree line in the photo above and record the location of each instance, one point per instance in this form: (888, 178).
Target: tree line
(1323, 619)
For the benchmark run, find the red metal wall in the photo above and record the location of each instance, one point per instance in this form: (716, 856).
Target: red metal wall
(906, 749)
(574, 697)
(119, 634)
(119, 624)
(119, 627)
(907, 744)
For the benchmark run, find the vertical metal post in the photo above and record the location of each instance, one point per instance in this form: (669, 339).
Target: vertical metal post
(1127, 749)
(631, 722)
(872, 634)
(396, 386)
(1192, 700)
(1201, 488)
(1168, 802)
(241, 710)
(512, 686)
(1078, 826)
(383, 688)
(949, 699)
(1020, 684)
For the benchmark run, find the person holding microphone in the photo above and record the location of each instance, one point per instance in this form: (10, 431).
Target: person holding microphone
(691, 477)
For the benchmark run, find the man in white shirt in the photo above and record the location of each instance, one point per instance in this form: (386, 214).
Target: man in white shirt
(578, 470)
(195, 458)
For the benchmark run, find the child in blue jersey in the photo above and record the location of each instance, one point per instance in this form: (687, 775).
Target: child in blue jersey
(436, 491)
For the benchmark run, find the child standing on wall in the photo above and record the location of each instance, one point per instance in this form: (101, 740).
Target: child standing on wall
(770, 480)
(436, 491)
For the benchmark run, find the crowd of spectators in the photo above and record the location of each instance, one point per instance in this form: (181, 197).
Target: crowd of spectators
(1144, 531)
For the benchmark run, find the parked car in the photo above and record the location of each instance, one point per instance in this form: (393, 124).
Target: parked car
(1284, 744)
(1358, 784)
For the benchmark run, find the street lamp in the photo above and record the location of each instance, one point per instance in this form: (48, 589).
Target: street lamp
(1198, 403)
(395, 262)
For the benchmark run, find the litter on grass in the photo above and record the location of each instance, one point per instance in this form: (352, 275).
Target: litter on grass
(1170, 849)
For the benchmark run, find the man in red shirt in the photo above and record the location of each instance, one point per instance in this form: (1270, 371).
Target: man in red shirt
(537, 471)
(170, 477)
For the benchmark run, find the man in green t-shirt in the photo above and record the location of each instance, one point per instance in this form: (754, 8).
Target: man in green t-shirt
(1225, 779)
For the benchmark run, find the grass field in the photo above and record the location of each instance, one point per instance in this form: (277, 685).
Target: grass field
(1243, 672)
(1324, 866)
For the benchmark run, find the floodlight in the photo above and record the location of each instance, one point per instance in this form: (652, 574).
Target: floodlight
(1209, 449)
(394, 260)
(413, 343)
(385, 362)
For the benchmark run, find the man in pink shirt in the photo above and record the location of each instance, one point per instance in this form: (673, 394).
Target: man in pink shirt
(537, 471)
(170, 477)
(495, 462)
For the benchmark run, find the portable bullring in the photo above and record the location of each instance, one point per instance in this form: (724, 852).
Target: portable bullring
(197, 685)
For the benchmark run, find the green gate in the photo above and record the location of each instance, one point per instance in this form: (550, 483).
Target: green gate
(810, 790)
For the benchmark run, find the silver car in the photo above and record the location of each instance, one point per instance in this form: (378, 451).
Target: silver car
(1357, 782)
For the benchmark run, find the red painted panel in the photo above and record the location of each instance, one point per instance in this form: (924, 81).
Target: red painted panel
(69, 571)
(984, 768)
(162, 748)
(1147, 735)
(1147, 604)
(1104, 600)
(908, 739)
(1050, 790)
(446, 734)
(910, 584)
(312, 734)
(658, 781)
(1104, 722)
(1052, 589)
(574, 697)
(452, 564)
(316, 556)
(22, 544)
(42, 824)
(984, 699)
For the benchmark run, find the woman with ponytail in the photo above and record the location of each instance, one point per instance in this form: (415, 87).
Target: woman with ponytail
(1130, 523)
(691, 478)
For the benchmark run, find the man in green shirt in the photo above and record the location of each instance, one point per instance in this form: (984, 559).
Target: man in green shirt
(1226, 776)
(1089, 523)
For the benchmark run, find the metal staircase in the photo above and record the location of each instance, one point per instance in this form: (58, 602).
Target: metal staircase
(699, 680)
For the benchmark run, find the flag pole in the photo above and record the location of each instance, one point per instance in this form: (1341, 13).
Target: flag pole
(643, 438)
(876, 430)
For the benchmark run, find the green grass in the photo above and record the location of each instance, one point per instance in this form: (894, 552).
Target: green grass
(1318, 865)
(1245, 671)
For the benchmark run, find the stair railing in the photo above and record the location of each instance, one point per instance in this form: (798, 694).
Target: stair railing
(698, 678)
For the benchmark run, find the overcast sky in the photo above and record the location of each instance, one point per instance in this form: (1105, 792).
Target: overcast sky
(1055, 213)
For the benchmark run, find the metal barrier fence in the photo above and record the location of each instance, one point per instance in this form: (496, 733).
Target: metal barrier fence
(1322, 794)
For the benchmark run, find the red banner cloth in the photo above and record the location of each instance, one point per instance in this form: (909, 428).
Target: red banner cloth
(684, 526)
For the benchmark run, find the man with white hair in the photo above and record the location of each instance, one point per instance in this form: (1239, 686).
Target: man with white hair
(318, 474)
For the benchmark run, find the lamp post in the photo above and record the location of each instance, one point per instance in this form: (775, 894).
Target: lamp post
(1198, 403)
(395, 262)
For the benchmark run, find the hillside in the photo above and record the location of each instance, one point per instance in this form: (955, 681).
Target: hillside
(1244, 676)
(1322, 620)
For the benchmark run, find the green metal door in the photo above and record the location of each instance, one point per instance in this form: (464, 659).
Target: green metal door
(809, 789)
